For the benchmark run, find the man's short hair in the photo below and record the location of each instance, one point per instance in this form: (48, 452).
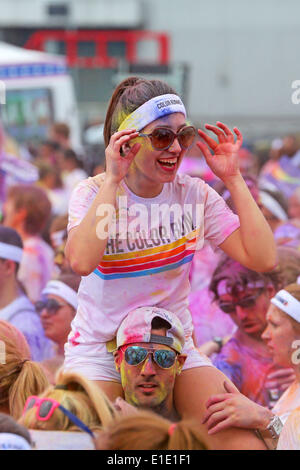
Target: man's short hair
(71, 280)
(36, 203)
(159, 323)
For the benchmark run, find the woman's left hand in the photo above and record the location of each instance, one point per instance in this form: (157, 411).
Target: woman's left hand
(233, 409)
(224, 161)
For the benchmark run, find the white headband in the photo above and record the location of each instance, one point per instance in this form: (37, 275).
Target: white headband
(272, 205)
(9, 441)
(62, 290)
(287, 303)
(222, 286)
(153, 109)
(14, 253)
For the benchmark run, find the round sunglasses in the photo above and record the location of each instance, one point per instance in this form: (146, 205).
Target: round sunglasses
(162, 138)
(246, 302)
(164, 358)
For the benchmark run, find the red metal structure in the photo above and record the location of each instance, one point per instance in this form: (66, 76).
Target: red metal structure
(101, 39)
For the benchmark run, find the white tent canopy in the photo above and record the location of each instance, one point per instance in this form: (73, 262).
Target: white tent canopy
(13, 55)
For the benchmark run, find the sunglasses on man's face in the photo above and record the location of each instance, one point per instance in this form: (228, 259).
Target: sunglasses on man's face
(45, 408)
(246, 302)
(164, 358)
(51, 305)
(162, 138)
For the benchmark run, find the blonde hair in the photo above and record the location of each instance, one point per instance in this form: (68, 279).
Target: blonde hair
(148, 431)
(83, 398)
(294, 290)
(19, 376)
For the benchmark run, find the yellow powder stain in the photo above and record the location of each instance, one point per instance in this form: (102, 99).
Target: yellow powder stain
(172, 273)
(158, 292)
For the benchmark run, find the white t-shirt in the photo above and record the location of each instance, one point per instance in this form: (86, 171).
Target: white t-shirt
(36, 267)
(22, 314)
(288, 402)
(145, 272)
(289, 438)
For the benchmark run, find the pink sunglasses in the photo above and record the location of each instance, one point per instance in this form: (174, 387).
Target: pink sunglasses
(45, 408)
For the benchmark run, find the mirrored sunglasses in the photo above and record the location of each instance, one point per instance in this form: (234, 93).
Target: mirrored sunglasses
(164, 358)
(162, 138)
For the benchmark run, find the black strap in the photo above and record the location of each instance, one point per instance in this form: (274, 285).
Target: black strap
(161, 340)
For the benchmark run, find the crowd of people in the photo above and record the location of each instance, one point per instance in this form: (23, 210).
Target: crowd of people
(176, 332)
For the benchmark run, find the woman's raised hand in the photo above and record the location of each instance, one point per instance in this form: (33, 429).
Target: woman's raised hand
(116, 164)
(233, 409)
(224, 160)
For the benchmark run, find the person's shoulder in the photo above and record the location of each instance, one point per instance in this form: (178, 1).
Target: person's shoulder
(37, 245)
(28, 322)
(22, 311)
(21, 304)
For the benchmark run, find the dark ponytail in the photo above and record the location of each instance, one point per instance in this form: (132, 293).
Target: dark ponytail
(129, 95)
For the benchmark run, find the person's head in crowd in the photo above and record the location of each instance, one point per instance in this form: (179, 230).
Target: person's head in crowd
(58, 230)
(289, 145)
(244, 294)
(58, 237)
(275, 151)
(70, 161)
(73, 396)
(274, 207)
(19, 376)
(148, 431)
(13, 436)
(58, 308)
(294, 205)
(27, 210)
(48, 151)
(149, 357)
(11, 248)
(282, 334)
(60, 133)
(250, 181)
(49, 176)
(288, 264)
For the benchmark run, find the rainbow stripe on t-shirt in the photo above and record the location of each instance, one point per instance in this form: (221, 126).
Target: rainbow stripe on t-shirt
(150, 261)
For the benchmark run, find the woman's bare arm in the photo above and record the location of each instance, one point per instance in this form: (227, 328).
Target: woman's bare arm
(86, 242)
(253, 243)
